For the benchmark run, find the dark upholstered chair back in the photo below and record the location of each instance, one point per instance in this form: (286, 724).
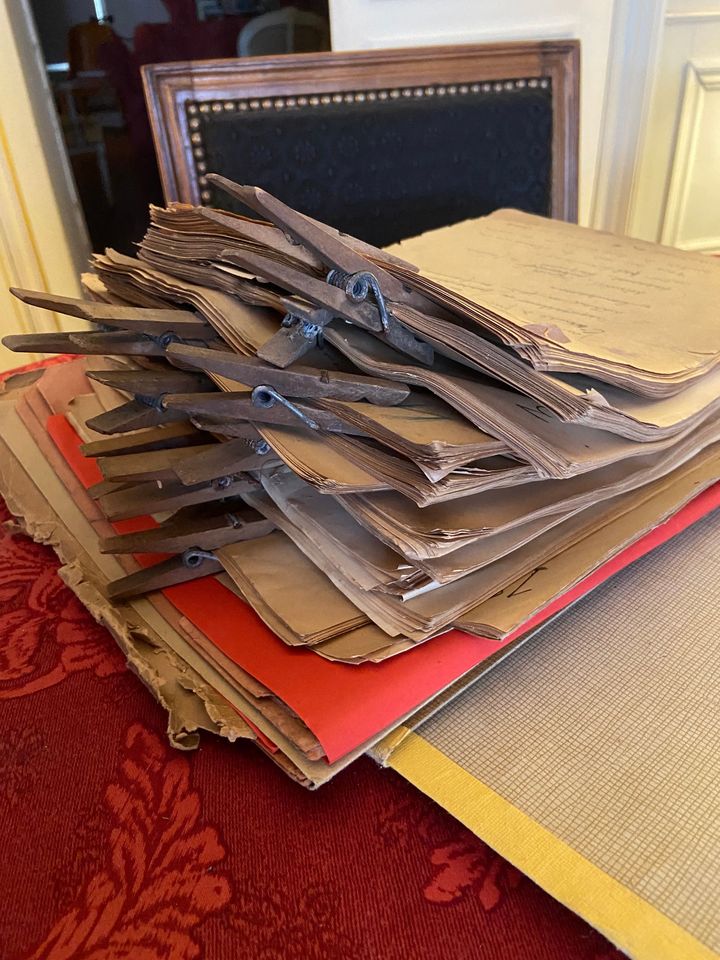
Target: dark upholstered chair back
(381, 144)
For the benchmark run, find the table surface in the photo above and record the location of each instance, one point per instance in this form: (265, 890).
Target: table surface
(116, 845)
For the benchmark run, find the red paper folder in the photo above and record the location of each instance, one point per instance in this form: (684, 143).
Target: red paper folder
(344, 705)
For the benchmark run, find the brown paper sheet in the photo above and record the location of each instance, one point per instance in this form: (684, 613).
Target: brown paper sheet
(568, 298)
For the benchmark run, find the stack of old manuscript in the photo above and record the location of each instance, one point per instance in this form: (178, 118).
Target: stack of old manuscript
(284, 457)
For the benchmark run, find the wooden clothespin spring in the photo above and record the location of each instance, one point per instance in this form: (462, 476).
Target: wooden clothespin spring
(264, 396)
(357, 287)
(189, 565)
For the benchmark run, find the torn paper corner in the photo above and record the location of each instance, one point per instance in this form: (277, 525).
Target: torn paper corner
(384, 749)
(190, 704)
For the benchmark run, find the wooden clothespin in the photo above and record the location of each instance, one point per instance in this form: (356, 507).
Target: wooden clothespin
(124, 330)
(181, 434)
(150, 498)
(154, 383)
(265, 234)
(226, 458)
(120, 343)
(260, 234)
(348, 270)
(146, 465)
(329, 297)
(134, 415)
(205, 528)
(149, 388)
(192, 533)
(240, 429)
(189, 565)
(154, 321)
(82, 342)
(301, 330)
(263, 405)
(296, 381)
(103, 487)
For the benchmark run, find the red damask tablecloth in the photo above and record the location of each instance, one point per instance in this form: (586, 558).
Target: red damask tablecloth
(114, 845)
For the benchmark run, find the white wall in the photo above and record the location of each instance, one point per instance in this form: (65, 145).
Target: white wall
(676, 196)
(366, 24)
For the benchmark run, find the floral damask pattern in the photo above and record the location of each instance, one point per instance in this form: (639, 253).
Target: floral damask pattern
(285, 925)
(249, 867)
(161, 875)
(20, 755)
(468, 865)
(45, 633)
(459, 865)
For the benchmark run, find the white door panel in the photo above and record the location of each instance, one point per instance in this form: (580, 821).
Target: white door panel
(677, 200)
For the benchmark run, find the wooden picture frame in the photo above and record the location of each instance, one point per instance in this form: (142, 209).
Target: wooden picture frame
(175, 90)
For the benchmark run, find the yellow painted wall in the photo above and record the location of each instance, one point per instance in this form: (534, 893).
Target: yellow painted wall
(43, 240)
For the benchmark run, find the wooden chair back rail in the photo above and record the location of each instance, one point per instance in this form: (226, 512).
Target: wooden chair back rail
(176, 91)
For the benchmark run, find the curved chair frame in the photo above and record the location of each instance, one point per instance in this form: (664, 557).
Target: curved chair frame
(177, 92)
